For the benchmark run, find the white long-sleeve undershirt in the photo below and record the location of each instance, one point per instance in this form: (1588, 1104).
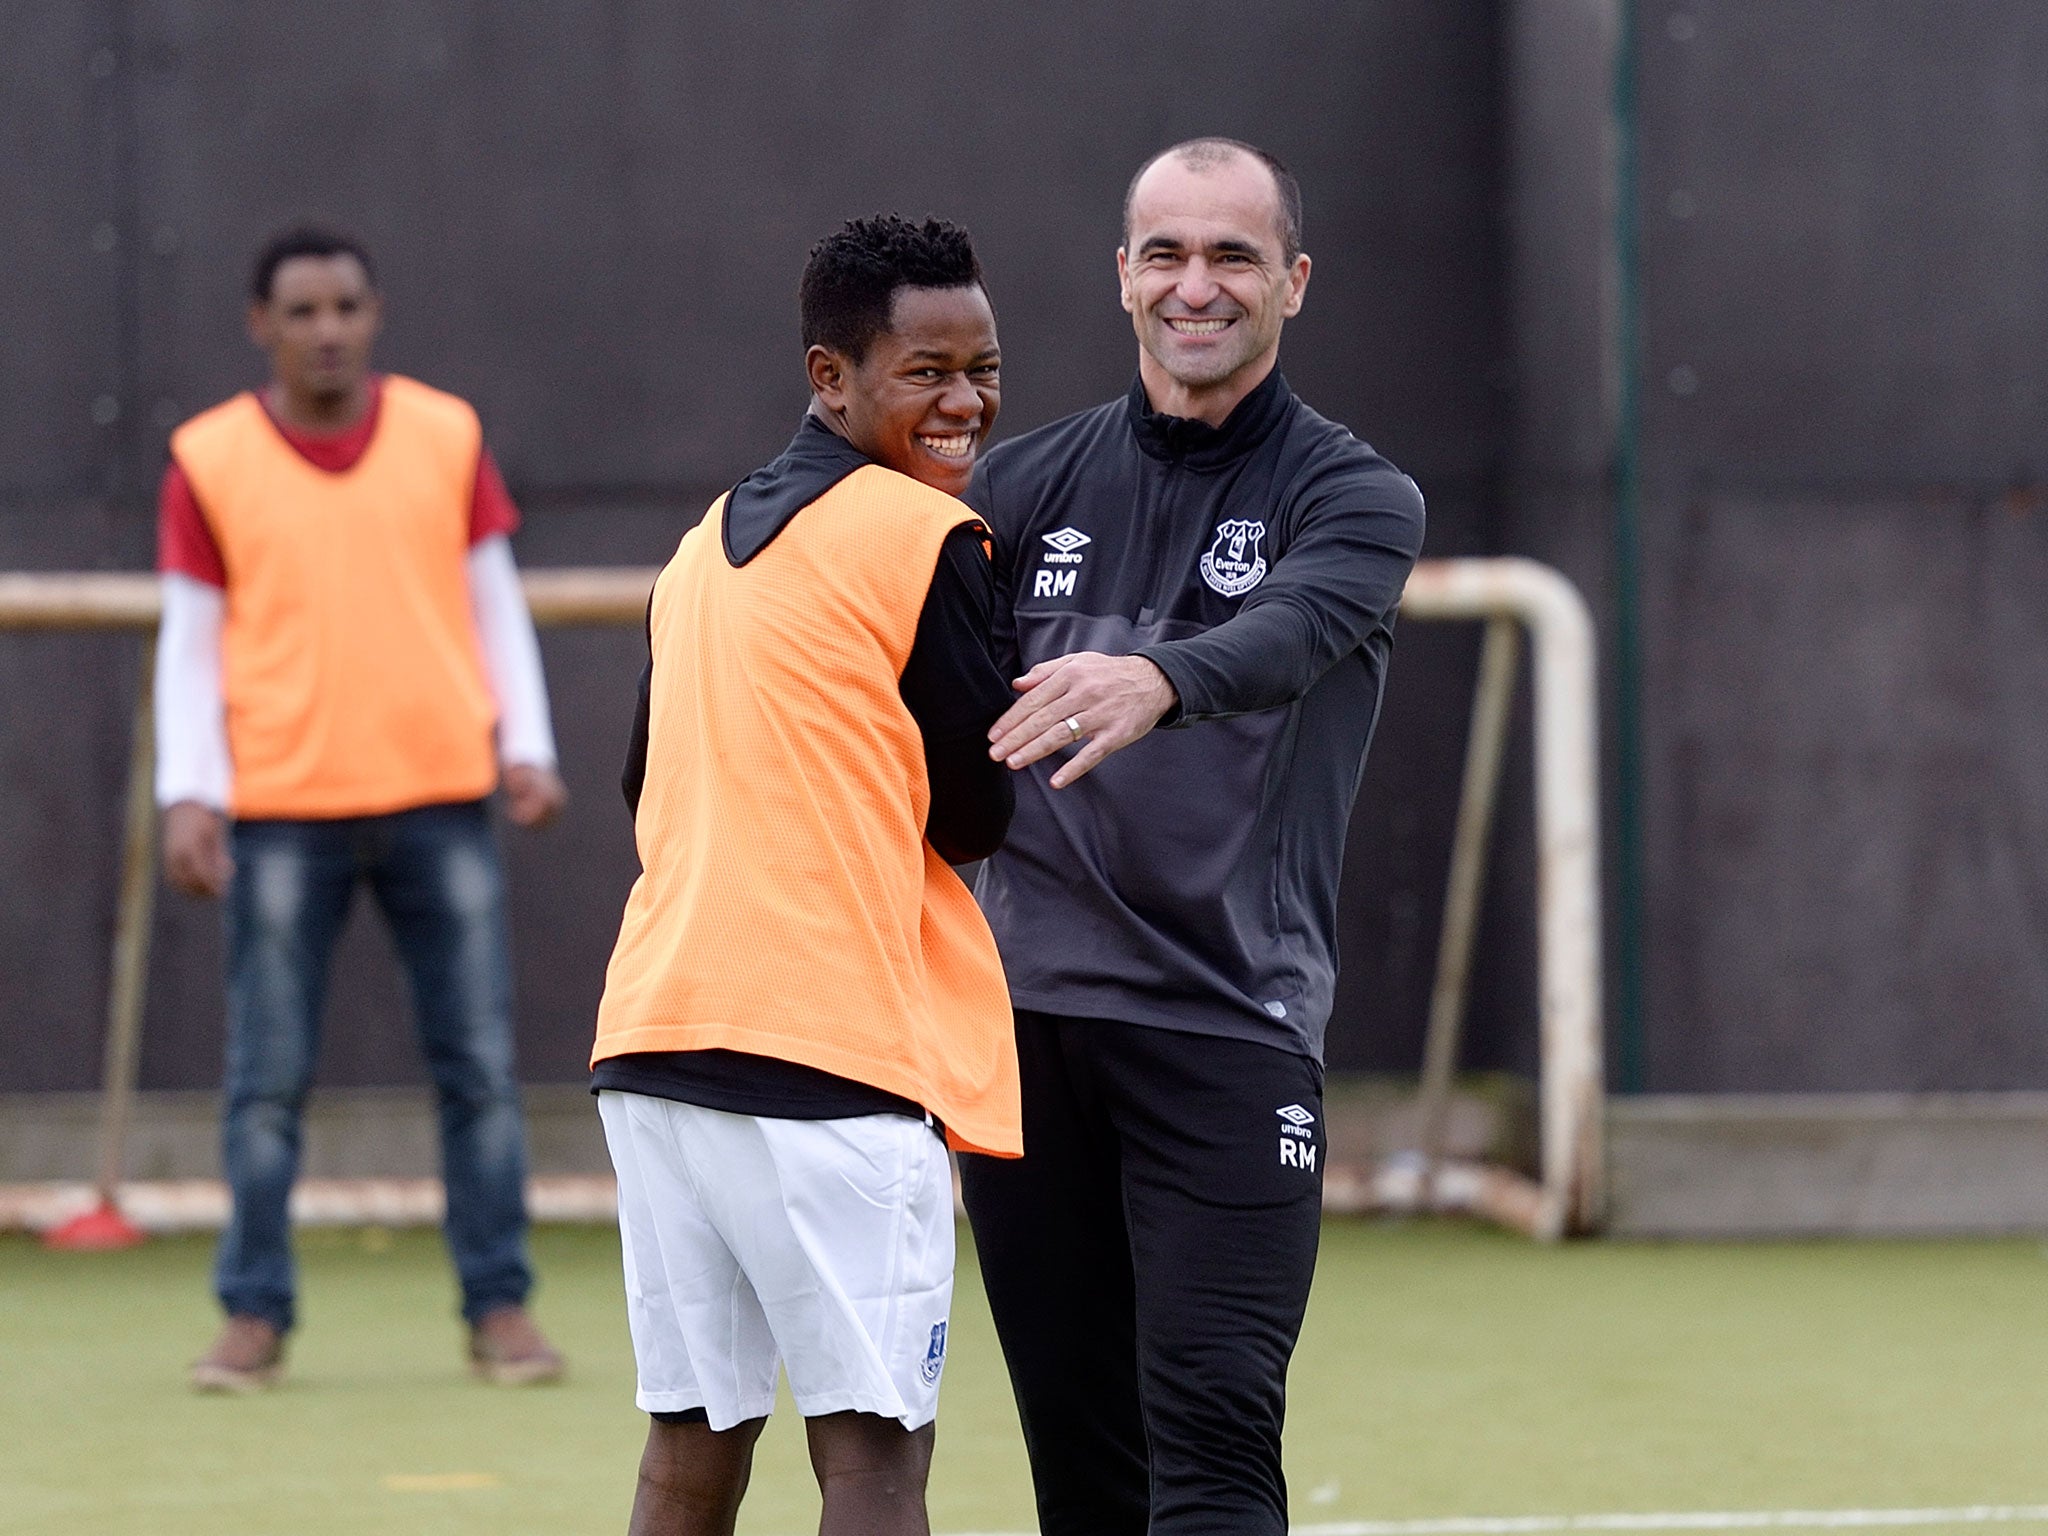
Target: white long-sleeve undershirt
(192, 761)
(504, 630)
(192, 758)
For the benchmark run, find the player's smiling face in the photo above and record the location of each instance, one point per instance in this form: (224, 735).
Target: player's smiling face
(922, 400)
(1205, 277)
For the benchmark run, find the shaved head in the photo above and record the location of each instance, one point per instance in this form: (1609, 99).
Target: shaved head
(1214, 151)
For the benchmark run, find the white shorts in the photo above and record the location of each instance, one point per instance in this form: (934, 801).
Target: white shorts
(822, 1245)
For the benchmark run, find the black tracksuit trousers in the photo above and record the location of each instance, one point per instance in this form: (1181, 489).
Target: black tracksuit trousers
(1148, 1263)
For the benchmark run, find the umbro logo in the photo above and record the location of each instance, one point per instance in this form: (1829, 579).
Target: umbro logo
(1066, 550)
(1297, 1141)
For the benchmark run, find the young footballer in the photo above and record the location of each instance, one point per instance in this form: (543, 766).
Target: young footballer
(804, 998)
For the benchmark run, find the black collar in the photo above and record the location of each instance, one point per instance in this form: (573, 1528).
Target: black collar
(1196, 444)
(761, 506)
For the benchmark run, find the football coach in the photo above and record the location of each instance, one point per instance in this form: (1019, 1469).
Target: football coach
(1197, 586)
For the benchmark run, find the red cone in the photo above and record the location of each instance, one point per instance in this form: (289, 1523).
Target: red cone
(102, 1227)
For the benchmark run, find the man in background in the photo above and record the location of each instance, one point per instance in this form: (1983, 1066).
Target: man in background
(345, 661)
(1210, 555)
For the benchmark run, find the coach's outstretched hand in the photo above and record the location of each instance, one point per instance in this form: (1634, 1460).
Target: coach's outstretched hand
(534, 796)
(196, 857)
(1108, 702)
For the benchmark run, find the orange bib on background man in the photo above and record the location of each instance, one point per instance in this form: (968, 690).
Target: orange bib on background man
(353, 680)
(790, 905)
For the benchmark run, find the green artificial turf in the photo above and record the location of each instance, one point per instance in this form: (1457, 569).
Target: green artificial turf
(1444, 1371)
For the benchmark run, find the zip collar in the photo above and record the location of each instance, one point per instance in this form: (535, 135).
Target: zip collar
(1199, 446)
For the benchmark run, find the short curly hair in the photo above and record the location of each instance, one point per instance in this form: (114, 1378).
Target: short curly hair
(303, 240)
(850, 282)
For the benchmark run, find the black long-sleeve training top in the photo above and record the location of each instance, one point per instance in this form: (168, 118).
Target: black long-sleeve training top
(1190, 881)
(954, 689)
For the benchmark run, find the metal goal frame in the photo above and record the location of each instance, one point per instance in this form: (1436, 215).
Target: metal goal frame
(1510, 596)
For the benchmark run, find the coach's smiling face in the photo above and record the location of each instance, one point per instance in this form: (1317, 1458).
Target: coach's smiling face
(923, 397)
(1205, 276)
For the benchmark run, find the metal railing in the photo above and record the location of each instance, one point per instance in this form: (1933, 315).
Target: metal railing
(1507, 594)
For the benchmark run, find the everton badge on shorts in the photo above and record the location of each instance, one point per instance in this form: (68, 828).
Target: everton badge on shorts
(935, 1356)
(1234, 564)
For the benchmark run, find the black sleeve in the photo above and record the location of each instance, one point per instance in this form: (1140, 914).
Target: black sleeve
(1356, 539)
(954, 691)
(981, 495)
(634, 778)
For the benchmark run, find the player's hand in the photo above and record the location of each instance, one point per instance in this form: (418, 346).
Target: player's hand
(1102, 703)
(196, 857)
(534, 795)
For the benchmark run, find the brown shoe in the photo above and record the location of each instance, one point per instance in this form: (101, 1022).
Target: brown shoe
(248, 1356)
(507, 1350)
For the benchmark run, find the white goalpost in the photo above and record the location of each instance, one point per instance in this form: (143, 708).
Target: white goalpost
(1510, 596)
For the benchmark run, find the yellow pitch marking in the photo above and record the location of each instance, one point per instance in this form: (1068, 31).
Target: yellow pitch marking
(439, 1482)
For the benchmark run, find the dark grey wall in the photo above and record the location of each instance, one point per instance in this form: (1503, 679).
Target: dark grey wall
(590, 220)
(1845, 238)
(1843, 232)
(1562, 371)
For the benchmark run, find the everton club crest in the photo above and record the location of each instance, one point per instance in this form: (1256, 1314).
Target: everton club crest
(1234, 564)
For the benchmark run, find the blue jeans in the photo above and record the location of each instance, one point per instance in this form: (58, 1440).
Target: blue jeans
(435, 874)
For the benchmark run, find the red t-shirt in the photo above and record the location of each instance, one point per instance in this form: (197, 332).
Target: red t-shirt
(185, 544)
